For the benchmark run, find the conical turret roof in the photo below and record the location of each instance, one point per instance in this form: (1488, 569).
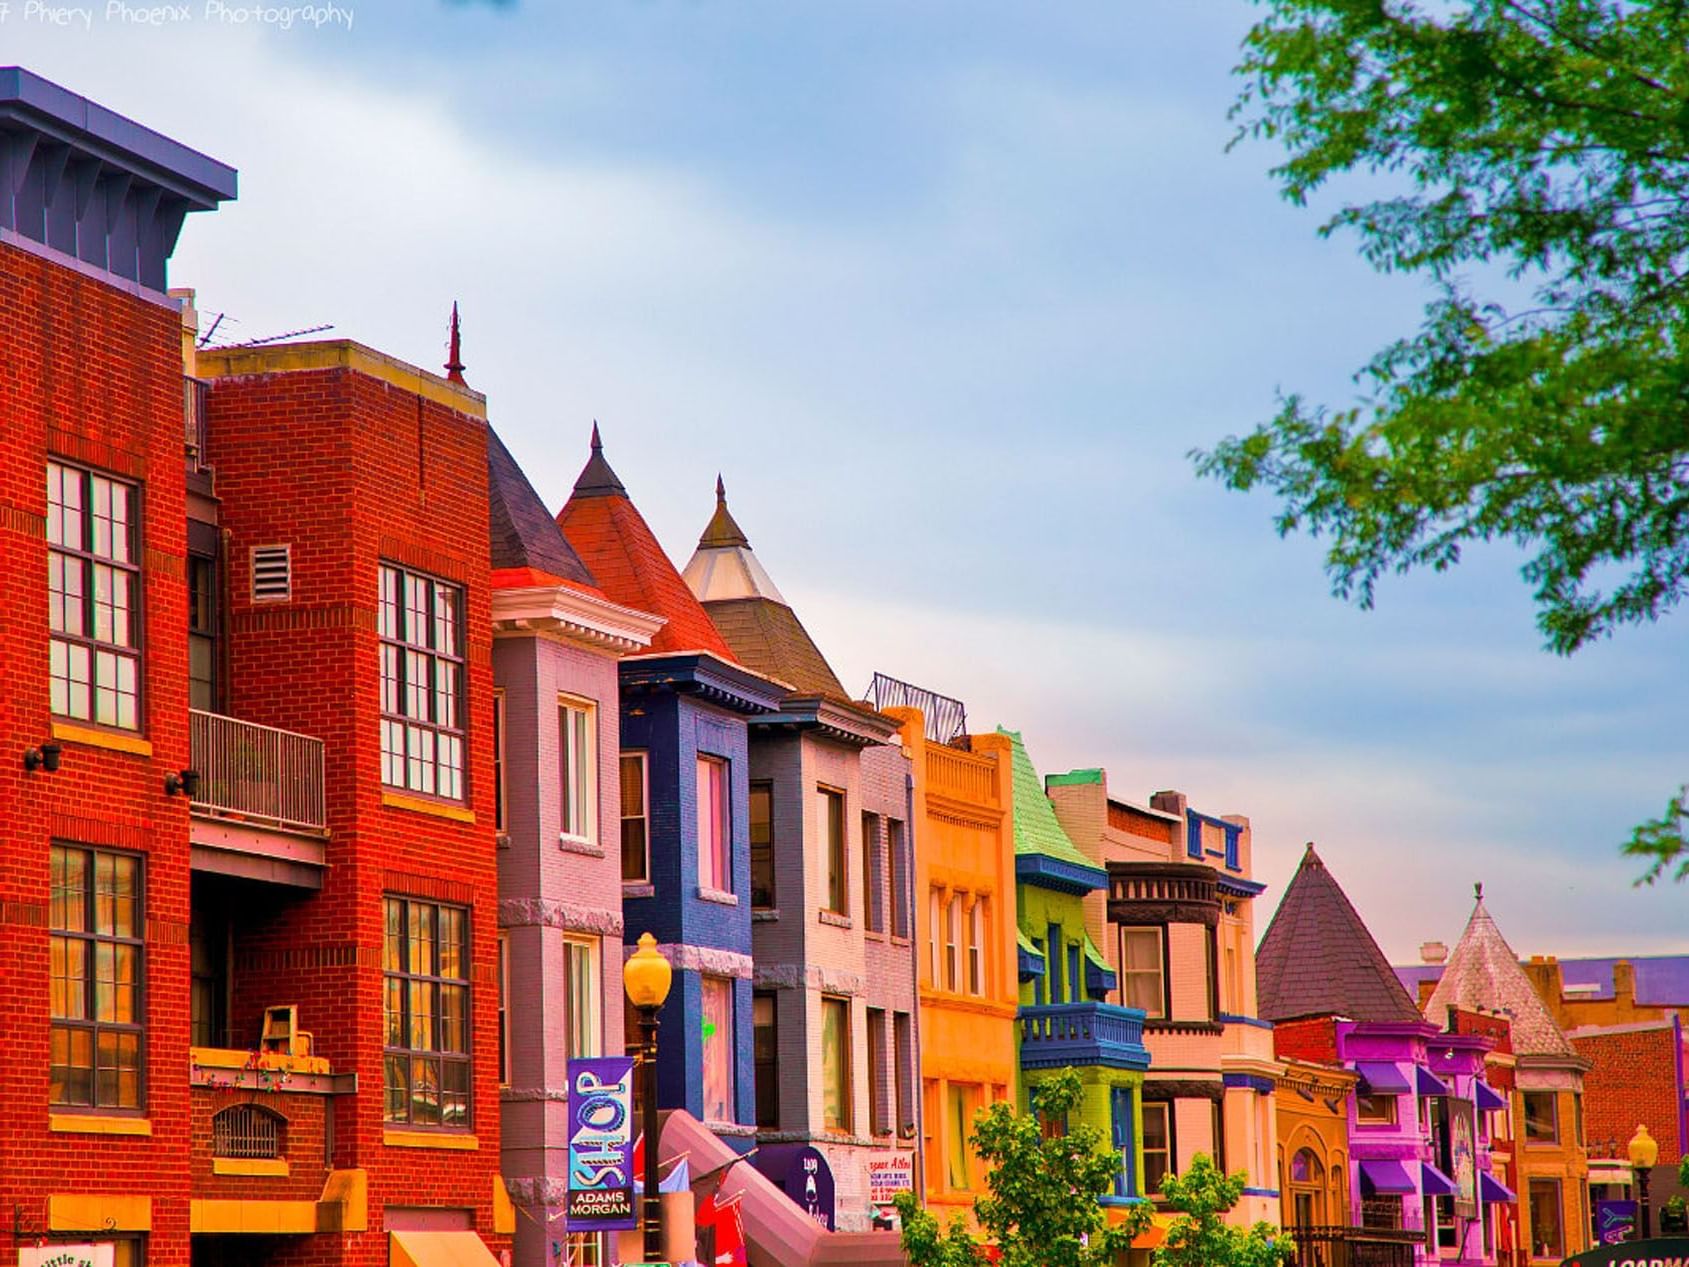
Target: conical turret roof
(1483, 972)
(1318, 959)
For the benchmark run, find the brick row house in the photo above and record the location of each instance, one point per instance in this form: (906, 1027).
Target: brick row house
(251, 885)
(831, 904)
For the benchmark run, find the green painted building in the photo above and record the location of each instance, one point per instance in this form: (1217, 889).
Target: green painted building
(1064, 979)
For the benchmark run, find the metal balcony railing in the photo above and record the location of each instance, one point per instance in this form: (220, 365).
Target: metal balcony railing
(1058, 1034)
(1353, 1247)
(257, 774)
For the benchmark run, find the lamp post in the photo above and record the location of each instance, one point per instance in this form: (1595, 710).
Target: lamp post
(1644, 1152)
(646, 976)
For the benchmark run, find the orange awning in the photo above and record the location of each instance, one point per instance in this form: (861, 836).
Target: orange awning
(439, 1249)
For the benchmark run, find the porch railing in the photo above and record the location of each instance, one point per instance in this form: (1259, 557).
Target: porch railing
(257, 774)
(1354, 1246)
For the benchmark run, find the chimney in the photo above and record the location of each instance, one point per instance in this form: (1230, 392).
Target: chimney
(1624, 985)
(1169, 803)
(1433, 952)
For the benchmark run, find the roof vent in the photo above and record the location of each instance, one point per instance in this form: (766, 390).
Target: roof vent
(1433, 952)
(272, 574)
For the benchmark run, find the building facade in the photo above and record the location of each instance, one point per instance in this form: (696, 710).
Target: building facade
(684, 787)
(556, 643)
(1312, 1100)
(1177, 926)
(250, 892)
(1066, 1021)
(962, 811)
(1549, 1156)
(832, 910)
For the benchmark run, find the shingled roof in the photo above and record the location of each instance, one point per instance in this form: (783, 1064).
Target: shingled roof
(612, 538)
(1318, 959)
(1483, 972)
(1037, 830)
(752, 615)
(524, 535)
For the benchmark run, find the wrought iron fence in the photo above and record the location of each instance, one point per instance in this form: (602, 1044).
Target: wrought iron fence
(257, 773)
(1353, 1247)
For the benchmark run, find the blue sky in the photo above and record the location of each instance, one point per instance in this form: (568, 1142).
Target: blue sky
(946, 291)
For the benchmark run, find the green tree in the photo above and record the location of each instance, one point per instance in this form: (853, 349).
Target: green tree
(1540, 149)
(1040, 1206)
(1200, 1237)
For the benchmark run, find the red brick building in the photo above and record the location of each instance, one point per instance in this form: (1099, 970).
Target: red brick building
(249, 895)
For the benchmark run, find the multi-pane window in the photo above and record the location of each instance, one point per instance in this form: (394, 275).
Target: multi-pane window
(586, 1026)
(715, 865)
(1158, 1147)
(95, 991)
(577, 769)
(1142, 973)
(636, 860)
(833, 825)
(93, 596)
(873, 895)
(422, 707)
(425, 961)
(204, 629)
(1375, 1109)
(762, 845)
(898, 870)
(835, 1065)
(501, 804)
(765, 1049)
(1542, 1117)
(718, 1048)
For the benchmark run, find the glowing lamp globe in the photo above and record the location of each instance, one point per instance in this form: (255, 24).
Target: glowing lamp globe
(646, 974)
(1644, 1149)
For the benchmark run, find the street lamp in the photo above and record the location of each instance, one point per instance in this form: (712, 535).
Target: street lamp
(1644, 1152)
(646, 976)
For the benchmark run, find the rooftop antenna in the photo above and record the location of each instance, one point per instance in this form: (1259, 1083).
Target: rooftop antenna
(286, 334)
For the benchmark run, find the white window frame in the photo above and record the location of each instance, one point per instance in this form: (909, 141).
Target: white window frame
(591, 1009)
(644, 815)
(577, 770)
(1160, 1010)
(976, 947)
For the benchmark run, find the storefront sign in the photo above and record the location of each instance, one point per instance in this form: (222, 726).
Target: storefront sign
(888, 1175)
(802, 1173)
(1615, 1221)
(65, 1255)
(1463, 1158)
(601, 1179)
(1669, 1251)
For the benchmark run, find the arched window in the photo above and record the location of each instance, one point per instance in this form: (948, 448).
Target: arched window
(1306, 1168)
(247, 1130)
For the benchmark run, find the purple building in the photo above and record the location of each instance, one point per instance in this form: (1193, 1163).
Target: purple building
(556, 644)
(1420, 1117)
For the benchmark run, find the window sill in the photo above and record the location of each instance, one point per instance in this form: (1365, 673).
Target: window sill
(720, 897)
(874, 933)
(96, 737)
(422, 805)
(429, 1139)
(638, 888)
(764, 914)
(267, 1166)
(898, 939)
(575, 844)
(98, 1124)
(834, 918)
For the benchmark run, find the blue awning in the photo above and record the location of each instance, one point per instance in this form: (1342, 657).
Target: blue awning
(1382, 1078)
(1488, 1098)
(1495, 1190)
(1436, 1183)
(1386, 1176)
(1429, 1083)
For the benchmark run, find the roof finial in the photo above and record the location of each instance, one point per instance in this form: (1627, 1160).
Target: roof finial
(454, 360)
(597, 444)
(1478, 891)
(721, 530)
(720, 491)
(597, 479)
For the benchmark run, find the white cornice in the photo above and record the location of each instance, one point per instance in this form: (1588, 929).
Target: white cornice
(574, 614)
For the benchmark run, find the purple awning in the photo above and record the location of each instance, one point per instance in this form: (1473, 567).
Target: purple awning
(1382, 1078)
(1495, 1190)
(1436, 1183)
(1488, 1098)
(1429, 1083)
(1387, 1176)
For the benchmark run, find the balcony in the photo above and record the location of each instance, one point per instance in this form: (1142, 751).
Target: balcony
(1056, 1035)
(962, 776)
(258, 803)
(1354, 1246)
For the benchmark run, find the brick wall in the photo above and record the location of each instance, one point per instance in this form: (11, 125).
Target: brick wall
(1633, 1079)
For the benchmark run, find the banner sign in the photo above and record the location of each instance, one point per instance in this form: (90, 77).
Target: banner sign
(601, 1179)
(1666, 1251)
(888, 1175)
(1615, 1221)
(65, 1255)
(1463, 1157)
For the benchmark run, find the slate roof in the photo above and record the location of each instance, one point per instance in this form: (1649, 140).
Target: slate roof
(752, 615)
(617, 545)
(1483, 972)
(1037, 830)
(1318, 959)
(524, 535)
